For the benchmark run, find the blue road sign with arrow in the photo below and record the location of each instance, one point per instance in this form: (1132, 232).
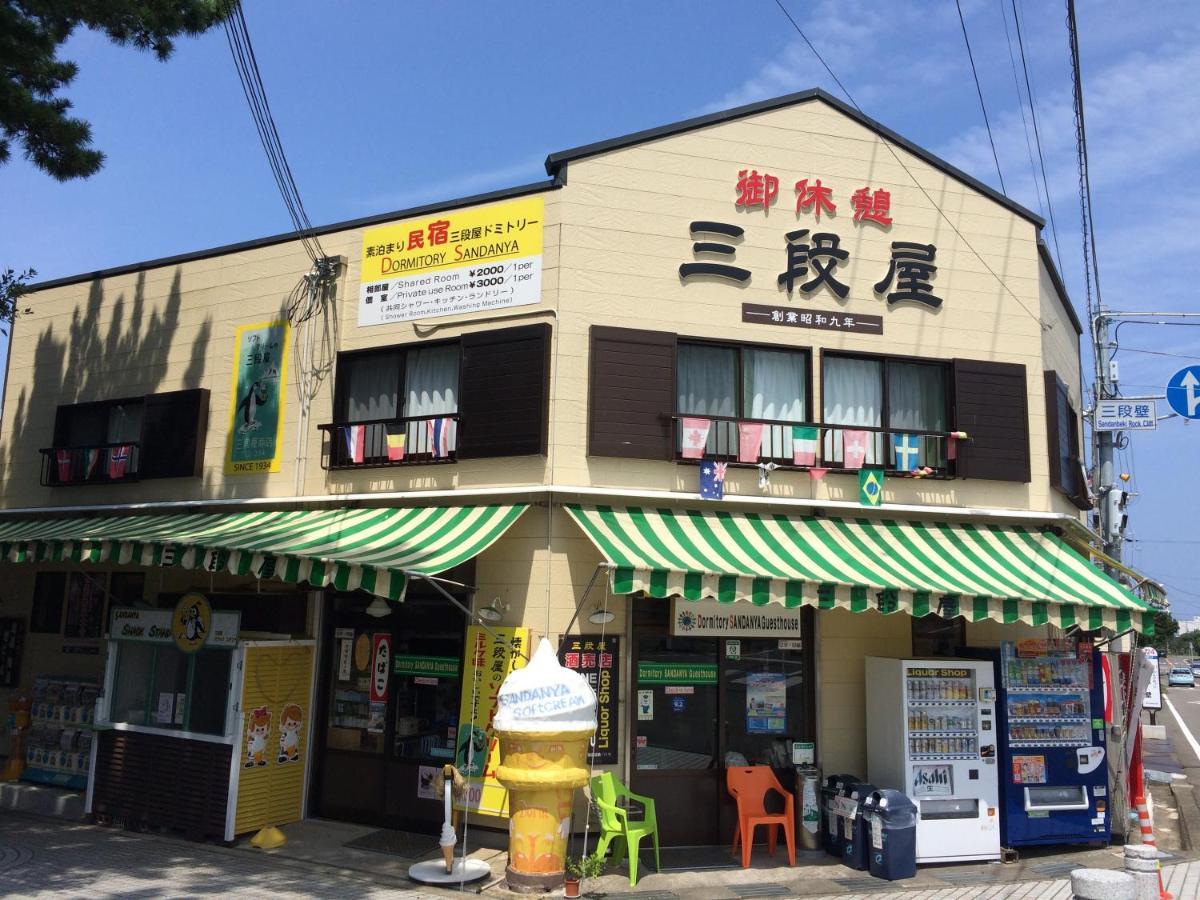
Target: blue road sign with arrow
(1183, 392)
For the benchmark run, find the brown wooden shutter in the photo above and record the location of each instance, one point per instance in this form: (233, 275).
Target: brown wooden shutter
(1052, 436)
(991, 405)
(174, 427)
(631, 393)
(504, 392)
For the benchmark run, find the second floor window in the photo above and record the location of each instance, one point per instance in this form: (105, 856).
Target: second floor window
(728, 383)
(403, 391)
(885, 397)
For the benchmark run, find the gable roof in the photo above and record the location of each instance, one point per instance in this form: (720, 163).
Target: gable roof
(556, 163)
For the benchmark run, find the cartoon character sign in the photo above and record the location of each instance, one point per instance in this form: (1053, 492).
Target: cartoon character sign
(290, 721)
(258, 726)
(191, 622)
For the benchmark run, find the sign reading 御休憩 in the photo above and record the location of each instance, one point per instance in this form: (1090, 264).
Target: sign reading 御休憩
(814, 259)
(1132, 414)
(711, 618)
(460, 261)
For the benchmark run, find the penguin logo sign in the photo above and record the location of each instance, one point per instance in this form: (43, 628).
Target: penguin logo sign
(191, 622)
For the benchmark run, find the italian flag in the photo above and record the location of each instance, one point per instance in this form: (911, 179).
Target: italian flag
(804, 445)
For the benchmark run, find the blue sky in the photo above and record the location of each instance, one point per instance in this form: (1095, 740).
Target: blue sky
(384, 106)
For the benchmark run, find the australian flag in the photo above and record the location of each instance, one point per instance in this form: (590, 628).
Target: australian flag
(712, 480)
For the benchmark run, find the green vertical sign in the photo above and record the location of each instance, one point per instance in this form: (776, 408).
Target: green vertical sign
(255, 439)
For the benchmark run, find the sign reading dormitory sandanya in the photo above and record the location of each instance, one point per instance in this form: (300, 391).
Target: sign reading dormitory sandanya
(459, 261)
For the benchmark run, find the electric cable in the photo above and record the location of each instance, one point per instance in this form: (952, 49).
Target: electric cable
(1087, 223)
(979, 90)
(1037, 135)
(1037, 188)
(907, 171)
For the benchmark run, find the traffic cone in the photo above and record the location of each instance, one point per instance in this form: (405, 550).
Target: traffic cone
(1147, 828)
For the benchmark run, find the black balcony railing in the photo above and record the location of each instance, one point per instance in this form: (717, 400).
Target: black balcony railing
(99, 464)
(929, 453)
(405, 441)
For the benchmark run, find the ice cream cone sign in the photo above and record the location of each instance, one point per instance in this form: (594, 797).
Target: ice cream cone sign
(545, 719)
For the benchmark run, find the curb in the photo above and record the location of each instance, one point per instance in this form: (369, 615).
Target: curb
(1189, 815)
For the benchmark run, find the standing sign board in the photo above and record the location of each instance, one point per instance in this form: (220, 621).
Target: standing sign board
(1153, 697)
(598, 660)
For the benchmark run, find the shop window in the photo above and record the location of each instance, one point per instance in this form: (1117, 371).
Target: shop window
(483, 395)
(277, 613)
(1062, 432)
(160, 686)
(730, 384)
(155, 436)
(938, 636)
(885, 397)
(49, 589)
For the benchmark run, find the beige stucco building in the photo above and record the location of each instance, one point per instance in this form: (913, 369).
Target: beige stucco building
(569, 389)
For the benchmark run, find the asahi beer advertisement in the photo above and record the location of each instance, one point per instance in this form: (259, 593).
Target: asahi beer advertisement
(459, 261)
(255, 442)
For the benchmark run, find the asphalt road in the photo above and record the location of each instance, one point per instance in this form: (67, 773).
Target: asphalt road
(1185, 703)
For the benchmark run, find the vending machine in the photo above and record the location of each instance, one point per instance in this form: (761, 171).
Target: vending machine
(1055, 778)
(932, 733)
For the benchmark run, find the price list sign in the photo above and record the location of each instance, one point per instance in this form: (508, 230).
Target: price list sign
(598, 660)
(460, 261)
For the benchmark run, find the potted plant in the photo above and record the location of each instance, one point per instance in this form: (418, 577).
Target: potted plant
(580, 868)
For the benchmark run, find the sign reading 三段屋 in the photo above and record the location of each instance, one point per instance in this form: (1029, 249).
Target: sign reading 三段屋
(255, 442)
(459, 261)
(1183, 392)
(1126, 415)
(598, 660)
(490, 655)
(712, 618)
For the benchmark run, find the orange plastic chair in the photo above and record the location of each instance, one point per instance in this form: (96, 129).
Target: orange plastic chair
(749, 787)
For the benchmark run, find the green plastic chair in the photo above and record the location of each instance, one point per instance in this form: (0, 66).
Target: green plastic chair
(615, 824)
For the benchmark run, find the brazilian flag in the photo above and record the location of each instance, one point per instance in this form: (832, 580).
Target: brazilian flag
(870, 487)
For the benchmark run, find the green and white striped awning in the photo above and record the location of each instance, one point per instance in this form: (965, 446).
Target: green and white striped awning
(369, 549)
(1005, 573)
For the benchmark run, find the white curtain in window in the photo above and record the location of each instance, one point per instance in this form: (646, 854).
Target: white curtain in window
(371, 386)
(773, 388)
(852, 394)
(125, 427)
(706, 380)
(431, 389)
(917, 401)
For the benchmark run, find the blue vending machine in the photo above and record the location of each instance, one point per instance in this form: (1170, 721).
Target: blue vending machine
(1054, 777)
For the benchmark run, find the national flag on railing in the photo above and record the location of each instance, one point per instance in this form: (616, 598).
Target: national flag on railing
(695, 437)
(396, 439)
(355, 437)
(907, 450)
(118, 461)
(749, 441)
(63, 458)
(854, 448)
(804, 445)
(870, 487)
(91, 457)
(439, 437)
(712, 480)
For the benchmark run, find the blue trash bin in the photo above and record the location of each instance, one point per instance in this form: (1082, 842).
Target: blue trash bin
(836, 786)
(891, 833)
(854, 833)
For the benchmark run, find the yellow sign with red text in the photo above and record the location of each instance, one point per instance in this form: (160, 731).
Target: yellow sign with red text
(459, 261)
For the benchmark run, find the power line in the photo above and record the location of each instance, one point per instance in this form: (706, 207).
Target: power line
(979, 91)
(1161, 353)
(1037, 134)
(1037, 188)
(1087, 225)
(907, 171)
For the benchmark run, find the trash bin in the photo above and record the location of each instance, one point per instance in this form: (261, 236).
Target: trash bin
(891, 826)
(808, 807)
(836, 787)
(854, 832)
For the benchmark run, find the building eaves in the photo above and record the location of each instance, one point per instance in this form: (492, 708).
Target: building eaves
(366, 221)
(557, 162)
(1059, 288)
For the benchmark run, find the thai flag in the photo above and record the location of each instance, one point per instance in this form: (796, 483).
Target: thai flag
(439, 437)
(118, 461)
(355, 436)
